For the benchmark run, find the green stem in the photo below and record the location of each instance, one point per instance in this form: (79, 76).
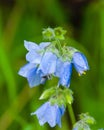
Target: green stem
(59, 46)
(71, 113)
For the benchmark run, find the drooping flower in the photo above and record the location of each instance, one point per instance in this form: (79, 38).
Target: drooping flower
(35, 51)
(50, 113)
(63, 71)
(33, 76)
(80, 62)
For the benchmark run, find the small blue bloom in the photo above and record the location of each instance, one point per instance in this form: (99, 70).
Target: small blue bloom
(80, 62)
(33, 76)
(50, 113)
(35, 51)
(48, 63)
(63, 71)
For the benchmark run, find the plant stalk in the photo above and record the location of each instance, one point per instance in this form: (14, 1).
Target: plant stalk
(71, 113)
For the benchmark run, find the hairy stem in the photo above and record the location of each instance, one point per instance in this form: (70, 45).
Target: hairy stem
(71, 113)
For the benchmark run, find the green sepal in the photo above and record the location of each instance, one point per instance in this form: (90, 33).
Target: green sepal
(52, 48)
(87, 118)
(68, 95)
(80, 125)
(48, 34)
(59, 33)
(58, 97)
(59, 101)
(90, 120)
(48, 93)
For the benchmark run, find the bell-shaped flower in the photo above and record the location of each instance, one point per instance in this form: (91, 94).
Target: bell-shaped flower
(33, 76)
(50, 113)
(35, 51)
(80, 62)
(48, 63)
(63, 71)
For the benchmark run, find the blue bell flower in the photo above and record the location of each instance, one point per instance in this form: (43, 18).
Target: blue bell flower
(50, 113)
(80, 62)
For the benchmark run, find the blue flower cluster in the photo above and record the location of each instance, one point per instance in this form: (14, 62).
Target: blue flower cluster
(43, 63)
(51, 59)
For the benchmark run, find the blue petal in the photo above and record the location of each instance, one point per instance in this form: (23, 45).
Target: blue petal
(33, 57)
(59, 65)
(41, 113)
(42, 45)
(62, 109)
(43, 80)
(58, 117)
(60, 112)
(48, 63)
(52, 115)
(80, 62)
(33, 77)
(30, 45)
(25, 69)
(65, 74)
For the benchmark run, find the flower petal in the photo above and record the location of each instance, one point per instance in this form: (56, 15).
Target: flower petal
(43, 80)
(62, 109)
(48, 63)
(65, 74)
(40, 113)
(60, 112)
(25, 69)
(30, 45)
(59, 65)
(58, 117)
(33, 77)
(53, 115)
(42, 45)
(33, 57)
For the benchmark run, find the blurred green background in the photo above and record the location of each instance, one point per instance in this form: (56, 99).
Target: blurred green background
(24, 20)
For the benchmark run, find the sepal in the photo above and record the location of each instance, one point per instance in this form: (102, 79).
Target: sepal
(59, 33)
(48, 93)
(84, 123)
(87, 118)
(81, 126)
(68, 95)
